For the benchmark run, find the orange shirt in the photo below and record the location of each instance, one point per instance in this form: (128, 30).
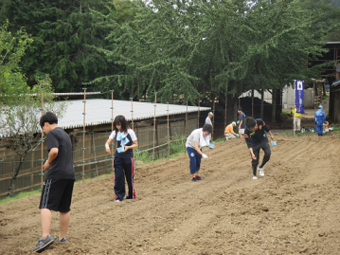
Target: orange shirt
(229, 129)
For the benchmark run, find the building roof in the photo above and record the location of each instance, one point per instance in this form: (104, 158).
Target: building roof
(98, 111)
(336, 83)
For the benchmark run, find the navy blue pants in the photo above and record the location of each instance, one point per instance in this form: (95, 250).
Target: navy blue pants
(124, 166)
(195, 160)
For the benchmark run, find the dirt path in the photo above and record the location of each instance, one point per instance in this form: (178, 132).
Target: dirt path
(293, 209)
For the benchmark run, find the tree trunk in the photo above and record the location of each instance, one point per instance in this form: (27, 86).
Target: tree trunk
(235, 111)
(274, 105)
(15, 174)
(262, 104)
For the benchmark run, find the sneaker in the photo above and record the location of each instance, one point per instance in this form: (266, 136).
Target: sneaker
(64, 239)
(43, 243)
(128, 197)
(194, 179)
(198, 178)
(261, 171)
(117, 200)
(254, 177)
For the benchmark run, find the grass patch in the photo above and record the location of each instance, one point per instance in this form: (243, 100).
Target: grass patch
(178, 145)
(20, 195)
(287, 113)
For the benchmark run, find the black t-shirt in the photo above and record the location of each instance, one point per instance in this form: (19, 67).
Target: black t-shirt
(242, 117)
(257, 135)
(62, 166)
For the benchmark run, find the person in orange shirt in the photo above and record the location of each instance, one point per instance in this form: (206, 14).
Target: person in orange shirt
(229, 131)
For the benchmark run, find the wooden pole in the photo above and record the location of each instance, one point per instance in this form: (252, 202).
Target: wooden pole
(213, 122)
(154, 128)
(225, 111)
(186, 120)
(168, 129)
(112, 144)
(84, 137)
(198, 116)
(42, 143)
(132, 123)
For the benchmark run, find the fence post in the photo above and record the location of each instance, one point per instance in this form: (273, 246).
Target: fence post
(42, 143)
(213, 122)
(154, 128)
(83, 149)
(186, 120)
(225, 111)
(112, 144)
(132, 123)
(198, 115)
(168, 129)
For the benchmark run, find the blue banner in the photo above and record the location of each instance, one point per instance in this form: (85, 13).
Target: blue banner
(299, 96)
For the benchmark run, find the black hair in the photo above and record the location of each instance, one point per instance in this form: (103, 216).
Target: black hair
(120, 119)
(49, 117)
(250, 122)
(207, 128)
(240, 108)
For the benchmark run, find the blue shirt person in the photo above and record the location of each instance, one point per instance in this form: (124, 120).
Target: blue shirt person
(319, 119)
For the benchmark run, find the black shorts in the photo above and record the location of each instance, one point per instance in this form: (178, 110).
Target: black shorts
(57, 195)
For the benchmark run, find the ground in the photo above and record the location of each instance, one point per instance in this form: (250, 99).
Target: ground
(293, 209)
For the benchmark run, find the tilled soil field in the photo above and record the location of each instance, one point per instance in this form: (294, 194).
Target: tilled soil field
(293, 209)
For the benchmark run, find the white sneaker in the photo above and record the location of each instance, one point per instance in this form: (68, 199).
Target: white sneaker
(261, 172)
(254, 177)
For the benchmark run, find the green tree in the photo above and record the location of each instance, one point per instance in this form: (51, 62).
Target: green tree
(63, 34)
(12, 81)
(186, 49)
(20, 123)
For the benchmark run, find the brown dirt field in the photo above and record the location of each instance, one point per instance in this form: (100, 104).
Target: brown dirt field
(293, 209)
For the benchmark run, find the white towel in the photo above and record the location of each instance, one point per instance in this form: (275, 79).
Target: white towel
(204, 141)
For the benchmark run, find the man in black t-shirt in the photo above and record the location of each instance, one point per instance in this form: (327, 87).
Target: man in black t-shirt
(256, 139)
(241, 126)
(58, 186)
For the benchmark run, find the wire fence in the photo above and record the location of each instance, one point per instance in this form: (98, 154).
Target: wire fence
(160, 138)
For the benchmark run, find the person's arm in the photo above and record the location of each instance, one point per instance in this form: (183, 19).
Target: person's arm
(266, 128)
(252, 153)
(107, 145)
(134, 145)
(51, 156)
(240, 125)
(271, 135)
(197, 148)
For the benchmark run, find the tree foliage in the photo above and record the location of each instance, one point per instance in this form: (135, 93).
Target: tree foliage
(185, 49)
(62, 32)
(12, 81)
(20, 123)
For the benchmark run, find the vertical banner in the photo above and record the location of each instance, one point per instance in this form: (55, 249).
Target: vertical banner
(299, 96)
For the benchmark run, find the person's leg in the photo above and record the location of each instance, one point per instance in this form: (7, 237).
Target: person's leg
(198, 165)
(129, 169)
(255, 162)
(49, 197)
(267, 152)
(65, 208)
(298, 123)
(46, 220)
(119, 180)
(64, 223)
(319, 129)
(229, 136)
(192, 158)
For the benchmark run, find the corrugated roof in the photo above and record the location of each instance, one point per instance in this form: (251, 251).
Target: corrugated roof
(336, 83)
(98, 111)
